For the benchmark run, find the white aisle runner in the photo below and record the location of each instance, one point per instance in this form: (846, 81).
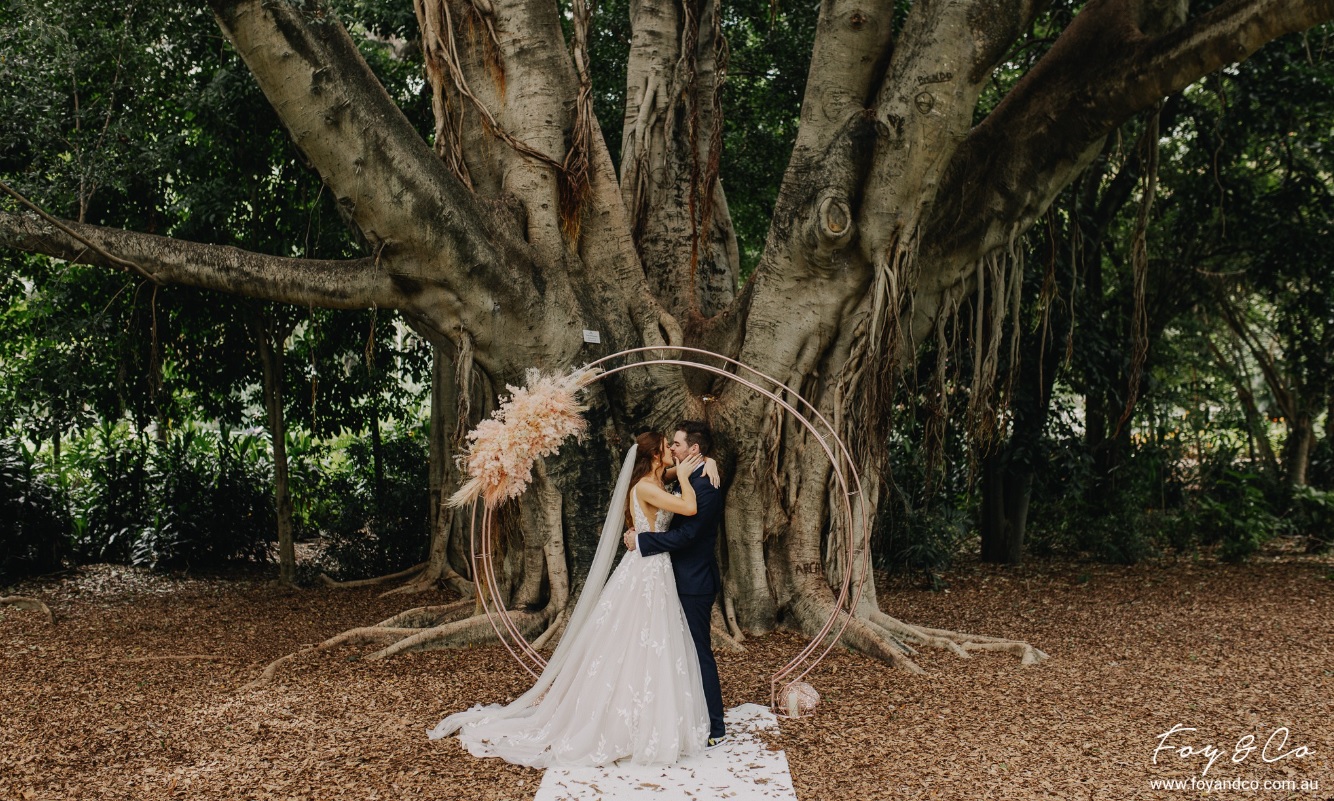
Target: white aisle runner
(742, 769)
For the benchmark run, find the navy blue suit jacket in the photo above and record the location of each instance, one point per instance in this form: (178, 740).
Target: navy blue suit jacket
(690, 540)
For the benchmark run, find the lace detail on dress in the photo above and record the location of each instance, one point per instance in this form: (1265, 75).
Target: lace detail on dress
(662, 520)
(631, 687)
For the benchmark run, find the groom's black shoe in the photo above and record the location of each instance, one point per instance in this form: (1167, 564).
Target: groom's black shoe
(714, 742)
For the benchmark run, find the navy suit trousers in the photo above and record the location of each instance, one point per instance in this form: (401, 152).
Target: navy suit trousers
(698, 609)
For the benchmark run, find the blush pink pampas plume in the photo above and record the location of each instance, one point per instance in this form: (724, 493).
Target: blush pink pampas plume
(531, 424)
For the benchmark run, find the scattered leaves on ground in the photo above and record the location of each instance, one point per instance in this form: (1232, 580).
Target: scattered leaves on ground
(135, 692)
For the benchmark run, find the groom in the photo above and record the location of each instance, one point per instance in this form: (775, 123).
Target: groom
(690, 540)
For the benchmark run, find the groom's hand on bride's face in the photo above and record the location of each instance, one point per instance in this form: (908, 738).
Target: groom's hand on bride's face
(629, 538)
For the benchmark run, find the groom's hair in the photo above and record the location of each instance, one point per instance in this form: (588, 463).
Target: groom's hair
(697, 433)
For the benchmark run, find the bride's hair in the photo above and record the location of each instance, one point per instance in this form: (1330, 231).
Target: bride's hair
(651, 444)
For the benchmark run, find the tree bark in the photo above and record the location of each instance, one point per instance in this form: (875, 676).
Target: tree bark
(1297, 448)
(271, 339)
(520, 239)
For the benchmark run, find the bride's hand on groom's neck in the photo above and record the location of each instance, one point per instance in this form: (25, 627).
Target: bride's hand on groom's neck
(711, 470)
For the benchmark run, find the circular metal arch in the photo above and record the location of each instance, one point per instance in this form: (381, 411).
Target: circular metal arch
(845, 472)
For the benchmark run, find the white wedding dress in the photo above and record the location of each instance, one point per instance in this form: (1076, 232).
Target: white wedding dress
(624, 682)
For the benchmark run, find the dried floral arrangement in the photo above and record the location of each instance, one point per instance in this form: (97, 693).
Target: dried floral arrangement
(530, 424)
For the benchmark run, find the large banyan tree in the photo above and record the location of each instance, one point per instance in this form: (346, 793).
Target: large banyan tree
(512, 233)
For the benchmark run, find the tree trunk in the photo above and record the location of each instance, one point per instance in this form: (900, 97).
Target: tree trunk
(272, 343)
(513, 236)
(1006, 490)
(1297, 448)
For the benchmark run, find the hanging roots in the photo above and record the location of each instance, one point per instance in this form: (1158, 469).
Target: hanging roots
(450, 91)
(1139, 261)
(1000, 277)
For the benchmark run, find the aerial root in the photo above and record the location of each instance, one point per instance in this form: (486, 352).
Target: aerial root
(23, 602)
(721, 636)
(729, 614)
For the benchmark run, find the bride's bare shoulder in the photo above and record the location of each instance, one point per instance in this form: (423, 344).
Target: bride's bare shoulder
(649, 490)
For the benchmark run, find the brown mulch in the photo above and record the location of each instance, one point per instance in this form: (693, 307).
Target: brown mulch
(134, 692)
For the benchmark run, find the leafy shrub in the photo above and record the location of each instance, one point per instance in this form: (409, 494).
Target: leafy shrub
(106, 473)
(213, 501)
(1231, 513)
(32, 517)
(1311, 515)
(366, 535)
(924, 539)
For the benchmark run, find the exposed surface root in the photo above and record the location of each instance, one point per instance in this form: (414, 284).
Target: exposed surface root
(173, 658)
(863, 636)
(368, 635)
(884, 637)
(976, 642)
(555, 630)
(723, 640)
(426, 616)
(23, 602)
(371, 582)
(916, 635)
(427, 581)
(421, 629)
(470, 631)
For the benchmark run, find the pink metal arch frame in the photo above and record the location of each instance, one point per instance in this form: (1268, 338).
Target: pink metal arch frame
(849, 485)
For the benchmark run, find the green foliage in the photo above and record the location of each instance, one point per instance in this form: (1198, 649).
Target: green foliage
(32, 516)
(371, 531)
(106, 473)
(1070, 517)
(1311, 515)
(200, 499)
(769, 55)
(1234, 515)
(212, 502)
(927, 512)
(925, 540)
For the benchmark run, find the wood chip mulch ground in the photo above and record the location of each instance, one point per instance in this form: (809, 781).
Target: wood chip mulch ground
(134, 692)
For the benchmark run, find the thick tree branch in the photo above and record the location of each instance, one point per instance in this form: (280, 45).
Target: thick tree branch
(924, 108)
(1111, 63)
(352, 284)
(382, 173)
(1225, 35)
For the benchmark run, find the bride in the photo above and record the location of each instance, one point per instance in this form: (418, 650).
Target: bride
(624, 681)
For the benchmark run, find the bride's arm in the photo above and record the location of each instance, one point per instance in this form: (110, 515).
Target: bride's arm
(660, 498)
(651, 493)
(711, 471)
